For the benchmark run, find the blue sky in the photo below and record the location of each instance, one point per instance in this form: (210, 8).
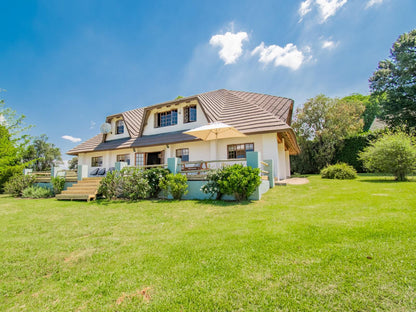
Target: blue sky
(66, 65)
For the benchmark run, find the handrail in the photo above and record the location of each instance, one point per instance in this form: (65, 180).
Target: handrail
(152, 166)
(264, 163)
(264, 171)
(213, 161)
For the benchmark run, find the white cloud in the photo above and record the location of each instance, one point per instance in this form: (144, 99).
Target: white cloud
(305, 8)
(288, 56)
(2, 120)
(92, 124)
(373, 2)
(328, 8)
(329, 44)
(71, 138)
(231, 45)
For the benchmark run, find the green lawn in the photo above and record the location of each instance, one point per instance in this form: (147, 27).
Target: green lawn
(324, 246)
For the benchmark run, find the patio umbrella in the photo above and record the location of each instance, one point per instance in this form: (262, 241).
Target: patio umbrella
(214, 131)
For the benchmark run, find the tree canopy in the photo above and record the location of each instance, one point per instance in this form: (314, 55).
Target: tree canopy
(394, 82)
(43, 155)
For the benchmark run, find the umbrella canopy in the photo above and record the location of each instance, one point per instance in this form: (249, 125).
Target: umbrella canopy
(214, 131)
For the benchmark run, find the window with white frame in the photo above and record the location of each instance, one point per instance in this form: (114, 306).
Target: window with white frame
(97, 161)
(119, 127)
(140, 159)
(183, 154)
(165, 119)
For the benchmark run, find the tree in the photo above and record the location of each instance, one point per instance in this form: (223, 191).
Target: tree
(44, 155)
(371, 104)
(394, 82)
(73, 163)
(321, 124)
(12, 143)
(392, 153)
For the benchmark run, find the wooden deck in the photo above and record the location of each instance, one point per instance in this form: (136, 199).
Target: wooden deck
(86, 190)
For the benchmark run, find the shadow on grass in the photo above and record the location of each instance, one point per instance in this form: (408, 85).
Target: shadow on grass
(222, 203)
(212, 202)
(386, 180)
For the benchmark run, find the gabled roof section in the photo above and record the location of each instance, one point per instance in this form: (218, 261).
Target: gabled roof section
(248, 112)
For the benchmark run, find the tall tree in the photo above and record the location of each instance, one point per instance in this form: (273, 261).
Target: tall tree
(43, 154)
(73, 163)
(371, 104)
(321, 124)
(394, 82)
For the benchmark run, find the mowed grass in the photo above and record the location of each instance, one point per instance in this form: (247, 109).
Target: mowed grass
(324, 246)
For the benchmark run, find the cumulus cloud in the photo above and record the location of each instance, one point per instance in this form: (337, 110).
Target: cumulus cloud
(288, 56)
(373, 2)
(305, 8)
(328, 8)
(329, 44)
(231, 45)
(71, 138)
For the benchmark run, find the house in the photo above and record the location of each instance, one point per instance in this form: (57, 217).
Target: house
(150, 135)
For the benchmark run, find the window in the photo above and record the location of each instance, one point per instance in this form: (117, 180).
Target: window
(189, 114)
(166, 118)
(119, 127)
(140, 159)
(97, 161)
(183, 154)
(239, 150)
(124, 158)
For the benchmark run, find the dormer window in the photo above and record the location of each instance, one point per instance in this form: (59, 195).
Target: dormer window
(119, 127)
(165, 119)
(189, 113)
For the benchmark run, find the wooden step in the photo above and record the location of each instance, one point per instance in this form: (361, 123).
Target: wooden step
(86, 197)
(86, 189)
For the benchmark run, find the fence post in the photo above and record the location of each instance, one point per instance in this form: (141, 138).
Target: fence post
(27, 171)
(174, 165)
(120, 165)
(253, 159)
(270, 175)
(82, 172)
(54, 171)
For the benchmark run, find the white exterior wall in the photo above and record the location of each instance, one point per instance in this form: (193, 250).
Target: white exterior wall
(266, 144)
(112, 135)
(287, 164)
(201, 120)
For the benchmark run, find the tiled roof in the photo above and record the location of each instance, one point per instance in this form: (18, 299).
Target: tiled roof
(246, 111)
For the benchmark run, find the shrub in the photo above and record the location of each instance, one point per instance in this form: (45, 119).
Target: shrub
(174, 184)
(36, 192)
(340, 171)
(135, 186)
(18, 183)
(58, 184)
(239, 181)
(392, 153)
(213, 187)
(111, 186)
(153, 176)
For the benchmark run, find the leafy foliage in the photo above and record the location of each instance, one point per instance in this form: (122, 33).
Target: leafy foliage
(111, 186)
(392, 153)
(213, 186)
(174, 184)
(325, 122)
(58, 184)
(394, 83)
(340, 171)
(36, 192)
(43, 155)
(18, 183)
(134, 184)
(153, 176)
(73, 163)
(240, 181)
(372, 107)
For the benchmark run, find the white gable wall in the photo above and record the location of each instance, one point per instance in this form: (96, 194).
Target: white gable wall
(201, 120)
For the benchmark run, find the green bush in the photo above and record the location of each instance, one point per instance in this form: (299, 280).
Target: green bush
(341, 171)
(58, 184)
(153, 176)
(18, 183)
(213, 187)
(36, 192)
(175, 185)
(134, 184)
(392, 153)
(111, 186)
(239, 181)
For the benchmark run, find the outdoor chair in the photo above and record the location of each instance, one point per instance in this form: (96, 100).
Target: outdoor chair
(101, 172)
(94, 172)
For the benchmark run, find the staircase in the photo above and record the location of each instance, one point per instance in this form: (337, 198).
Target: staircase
(86, 189)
